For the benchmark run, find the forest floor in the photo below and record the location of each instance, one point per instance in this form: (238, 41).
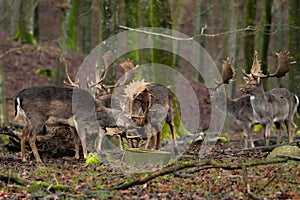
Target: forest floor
(219, 175)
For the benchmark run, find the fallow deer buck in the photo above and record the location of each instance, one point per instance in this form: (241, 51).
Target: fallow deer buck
(240, 108)
(278, 105)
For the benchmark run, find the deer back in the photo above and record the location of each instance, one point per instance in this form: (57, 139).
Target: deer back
(41, 102)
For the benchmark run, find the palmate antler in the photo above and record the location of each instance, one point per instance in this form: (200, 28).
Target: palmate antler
(228, 73)
(284, 64)
(133, 90)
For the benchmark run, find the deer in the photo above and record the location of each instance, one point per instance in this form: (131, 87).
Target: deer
(37, 104)
(141, 96)
(30, 103)
(277, 105)
(240, 108)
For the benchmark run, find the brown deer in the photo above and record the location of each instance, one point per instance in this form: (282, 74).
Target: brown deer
(278, 105)
(37, 104)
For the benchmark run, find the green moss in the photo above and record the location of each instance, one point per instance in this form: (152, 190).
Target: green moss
(286, 150)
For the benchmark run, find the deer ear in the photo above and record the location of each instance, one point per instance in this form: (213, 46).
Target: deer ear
(246, 79)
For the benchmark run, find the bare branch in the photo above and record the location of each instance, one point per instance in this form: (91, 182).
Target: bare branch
(248, 28)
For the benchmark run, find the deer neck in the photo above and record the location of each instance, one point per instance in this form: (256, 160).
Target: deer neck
(259, 101)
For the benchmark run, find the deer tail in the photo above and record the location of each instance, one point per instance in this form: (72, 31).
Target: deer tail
(18, 109)
(297, 105)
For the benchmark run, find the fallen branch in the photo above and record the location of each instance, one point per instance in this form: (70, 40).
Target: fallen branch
(13, 179)
(262, 148)
(295, 158)
(177, 167)
(166, 170)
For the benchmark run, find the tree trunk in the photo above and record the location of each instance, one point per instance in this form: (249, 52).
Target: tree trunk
(294, 44)
(159, 17)
(25, 27)
(14, 19)
(109, 13)
(249, 34)
(3, 110)
(132, 20)
(266, 38)
(72, 23)
(231, 48)
(280, 35)
(86, 23)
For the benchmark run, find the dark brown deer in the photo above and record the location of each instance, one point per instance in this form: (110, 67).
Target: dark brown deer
(37, 104)
(278, 105)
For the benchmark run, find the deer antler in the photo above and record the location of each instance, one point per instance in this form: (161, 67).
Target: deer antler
(107, 58)
(130, 71)
(69, 82)
(284, 64)
(228, 73)
(255, 69)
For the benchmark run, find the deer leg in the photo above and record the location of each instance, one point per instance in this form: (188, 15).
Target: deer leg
(32, 140)
(158, 135)
(248, 132)
(120, 142)
(172, 127)
(26, 130)
(291, 128)
(280, 131)
(267, 129)
(82, 135)
(99, 145)
(76, 142)
(154, 141)
(148, 140)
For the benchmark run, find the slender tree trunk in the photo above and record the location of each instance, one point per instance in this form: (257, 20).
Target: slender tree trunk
(231, 49)
(266, 38)
(159, 17)
(109, 20)
(14, 19)
(131, 20)
(280, 36)
(36, 32)
(72, 23)
(5, 14)
(3, 109)
(200, 22)
(62, 41)
(294, 44)
(25, 27)
(249, 35)
(86, 23)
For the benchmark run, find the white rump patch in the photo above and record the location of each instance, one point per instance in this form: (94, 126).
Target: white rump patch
(21, 112)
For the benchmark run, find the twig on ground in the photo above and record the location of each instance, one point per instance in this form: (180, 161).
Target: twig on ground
(177, 167)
